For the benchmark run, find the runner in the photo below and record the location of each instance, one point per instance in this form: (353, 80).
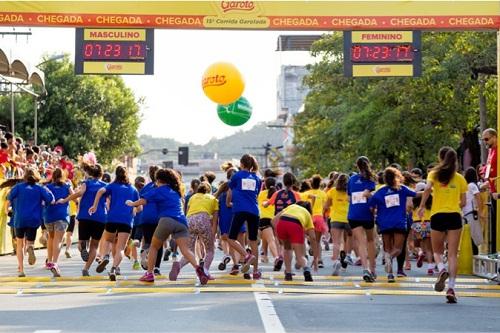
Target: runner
(390, 203)
(360, 217)
(73, 209)
(421, 230)
(118, 220)
(317, 203)
(244, 188)
(449, 190)
(90, 227)
(202, 215)
(166, 196)
(291, 224)
(471, 211)
(266, 215)
(56, 219)
(26, 199)
(338, 204)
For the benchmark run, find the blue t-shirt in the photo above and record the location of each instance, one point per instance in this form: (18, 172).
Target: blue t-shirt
(168, 203)
(358, 204)
(149, 211)
(87, 201)
(391, 207)
(28, 204)
(226, 214)
(119, 212)
(57, 212)
(245, 187)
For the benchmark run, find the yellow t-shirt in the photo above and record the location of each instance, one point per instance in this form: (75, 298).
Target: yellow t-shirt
(202, 203)
(446, 198)
(72, 208)
(339, 206)
(301, 214)
(427, 215)
(183, 190)
(268, 212)
(319, 201)
(304, 196)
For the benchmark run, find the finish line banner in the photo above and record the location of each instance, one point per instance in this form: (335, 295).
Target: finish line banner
(260, 15)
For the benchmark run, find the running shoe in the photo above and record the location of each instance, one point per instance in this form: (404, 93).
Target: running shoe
(147, 277)
(430, 272)
(174, 271)
(308, 276)
(257, 275)
(235, 270)
(67, 254)
(156, 271)
(336, 268)
(31, 255)
(367, 276)
(102, 264)
(112, 274)
(278, 263)
(401, 273)
(21, 274)
(311, 253)
(202, 276)
(144, 259)
(247, 276)
(48, 265)
(321, 264)
(166, 256)
(441, 280)
(349, 260)
(136, 266)
(224, 262)
(288, 276)
(390, 278)
(85, 272)
(420, 260)
(55, 270)
(343, 258)
(249, 260)
(450, 296)
(118, 271)
(408, 266)
(84, 254)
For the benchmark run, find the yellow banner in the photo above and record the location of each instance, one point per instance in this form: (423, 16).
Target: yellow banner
(277, 15)
(105, 67)
(115, 34)
(361, 37)
(380, 70)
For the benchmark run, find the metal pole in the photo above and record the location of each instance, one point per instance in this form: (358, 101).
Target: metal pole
(36, 122)
(12, 109)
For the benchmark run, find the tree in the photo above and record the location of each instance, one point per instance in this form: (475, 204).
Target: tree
(402, 120)
(81, 113)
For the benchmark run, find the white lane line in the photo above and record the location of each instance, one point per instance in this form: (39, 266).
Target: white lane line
(270, 319)
(47, 331)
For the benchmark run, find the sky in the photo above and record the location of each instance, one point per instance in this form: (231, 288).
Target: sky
(175, 105)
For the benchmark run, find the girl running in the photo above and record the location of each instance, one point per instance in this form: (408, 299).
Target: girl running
(390, 203)
(244, 187)
(266, 216)
(202, 215)
(291, 224)
(56, 219)
(359, 190)
(27, 199)
(318, 203)
(167, 198)
(449, 190)
(421, 228)
(118, 220)
(90, 227)
(338, 204)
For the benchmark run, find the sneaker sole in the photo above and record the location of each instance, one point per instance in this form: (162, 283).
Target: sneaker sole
(222, 266)
(102, 265)
(55, 273)
(112, 277)
(368, 279)
(450, 299)
(85, 255)
(203, 279)
(278, 265)
(343, 263)
(308, 277)
(246, 267)
(31, 256)
(440, 284)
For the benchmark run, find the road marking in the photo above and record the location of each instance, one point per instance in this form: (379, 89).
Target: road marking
(47, 331)
(270, 319)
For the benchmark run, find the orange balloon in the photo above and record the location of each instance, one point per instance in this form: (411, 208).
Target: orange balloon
(223, 83)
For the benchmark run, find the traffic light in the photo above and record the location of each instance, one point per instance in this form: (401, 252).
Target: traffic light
(183, 155)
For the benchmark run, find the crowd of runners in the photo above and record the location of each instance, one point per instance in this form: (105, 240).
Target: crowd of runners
(252, 216)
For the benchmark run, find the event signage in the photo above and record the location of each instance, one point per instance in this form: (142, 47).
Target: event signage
(382, 53)
(114, 51)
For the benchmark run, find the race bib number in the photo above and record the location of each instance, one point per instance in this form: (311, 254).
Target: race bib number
(248, 184)
(358, 198)
(392, 200)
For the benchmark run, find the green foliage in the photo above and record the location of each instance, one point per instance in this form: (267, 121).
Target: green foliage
(403, 120)
(81, 113)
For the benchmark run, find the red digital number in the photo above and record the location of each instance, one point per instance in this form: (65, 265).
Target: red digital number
(386, 52)
(117, 50)
(356, 52)
(89, 48)
(376, 52)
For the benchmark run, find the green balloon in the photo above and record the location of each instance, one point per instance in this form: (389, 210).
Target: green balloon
(235, 114)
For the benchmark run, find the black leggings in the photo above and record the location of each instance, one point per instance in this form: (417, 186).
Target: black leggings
(148, 231)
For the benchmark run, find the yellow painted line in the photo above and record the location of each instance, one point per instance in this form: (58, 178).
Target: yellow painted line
(208, 289)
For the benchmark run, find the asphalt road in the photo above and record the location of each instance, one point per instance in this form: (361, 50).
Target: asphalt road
(40, 303)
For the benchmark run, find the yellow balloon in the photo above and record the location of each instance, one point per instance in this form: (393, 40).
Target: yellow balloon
(223, 83)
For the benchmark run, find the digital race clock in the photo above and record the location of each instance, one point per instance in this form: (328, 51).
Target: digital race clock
(100, 50)
(382, 53)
